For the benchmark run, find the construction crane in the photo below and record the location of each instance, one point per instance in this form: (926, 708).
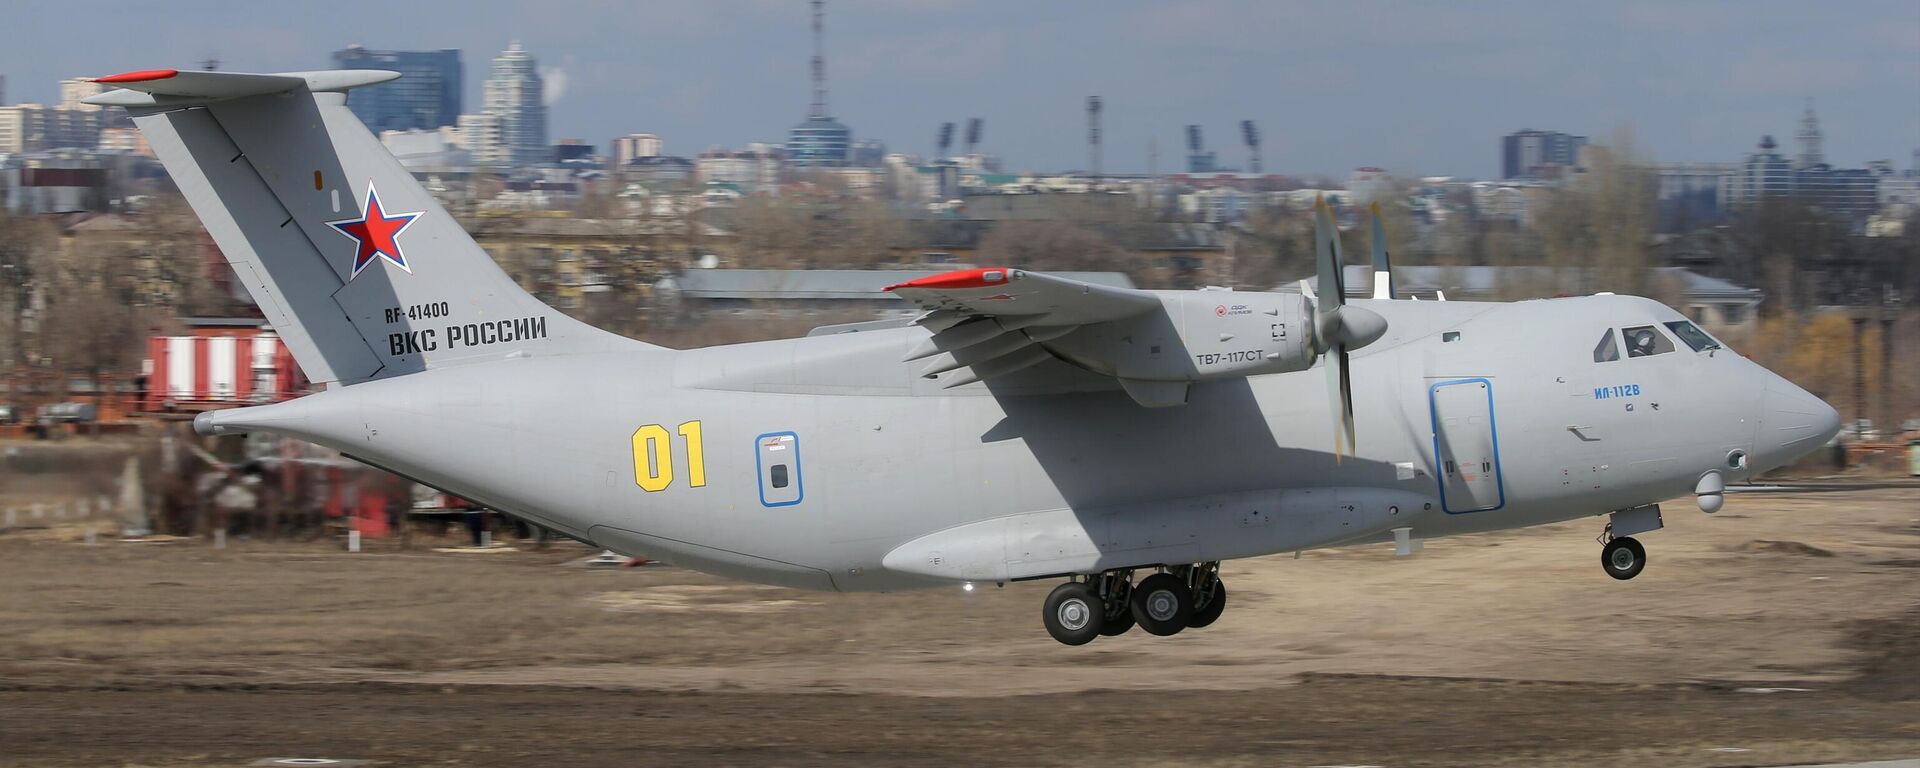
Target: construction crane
(1093, 137)
(1252, 135)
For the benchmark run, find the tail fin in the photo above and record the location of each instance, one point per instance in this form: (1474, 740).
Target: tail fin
(361, 272)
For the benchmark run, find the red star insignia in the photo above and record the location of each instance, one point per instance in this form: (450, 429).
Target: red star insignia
(377, 233)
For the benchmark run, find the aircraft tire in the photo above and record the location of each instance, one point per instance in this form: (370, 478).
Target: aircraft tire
(1207, 614)
(1073, 613)
(1623, 558)
(1162, 604)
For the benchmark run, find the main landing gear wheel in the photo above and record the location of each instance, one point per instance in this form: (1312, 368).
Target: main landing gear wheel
(1162, 604)
(1623, 558)
(1073, 613)
(1208, 602)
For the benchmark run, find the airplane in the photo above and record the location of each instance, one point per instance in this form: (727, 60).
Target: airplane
(1022, 426)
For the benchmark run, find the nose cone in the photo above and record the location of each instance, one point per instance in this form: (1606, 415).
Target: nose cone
(1793, 424)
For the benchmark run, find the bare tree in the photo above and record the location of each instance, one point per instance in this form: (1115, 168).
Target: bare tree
(815, 233)
(1275, 245)
(96, 317)
(1600, 226)
(1053, 246)
(27, 247)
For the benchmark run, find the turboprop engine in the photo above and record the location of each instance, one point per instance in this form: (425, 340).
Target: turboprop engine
(1217, 333)
(1200, 336)
(994, 321)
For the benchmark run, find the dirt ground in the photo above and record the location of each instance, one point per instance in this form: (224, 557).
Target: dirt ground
(1783, 630)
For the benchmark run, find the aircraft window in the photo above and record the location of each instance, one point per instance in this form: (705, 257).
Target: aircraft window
(1693, 336)
(1450, 336)
(779, 472)
(1606, 351)
(1644, 340)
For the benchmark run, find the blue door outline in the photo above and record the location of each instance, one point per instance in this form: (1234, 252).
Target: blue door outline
(1439, 459)
(760, 470)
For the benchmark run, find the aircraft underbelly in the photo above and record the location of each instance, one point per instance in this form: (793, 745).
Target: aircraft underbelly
(1216, 527)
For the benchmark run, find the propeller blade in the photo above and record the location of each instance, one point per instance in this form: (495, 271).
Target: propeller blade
(1346, 404)
(1340, 393)
(1330, 290)
(1336, 326)
(1382, 268)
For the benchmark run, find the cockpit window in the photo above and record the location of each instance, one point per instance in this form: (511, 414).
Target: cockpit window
(1607, 350)
(1693, 336)
(1645, 340)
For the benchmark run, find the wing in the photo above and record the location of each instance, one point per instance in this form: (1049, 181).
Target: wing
(992, 320)
(1043, 298)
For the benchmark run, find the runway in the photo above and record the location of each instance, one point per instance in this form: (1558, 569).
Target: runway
(1781, 631)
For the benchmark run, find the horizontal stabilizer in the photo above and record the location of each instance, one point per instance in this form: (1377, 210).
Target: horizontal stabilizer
(172, 87)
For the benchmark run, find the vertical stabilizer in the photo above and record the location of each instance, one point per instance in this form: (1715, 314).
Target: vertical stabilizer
(353, 262)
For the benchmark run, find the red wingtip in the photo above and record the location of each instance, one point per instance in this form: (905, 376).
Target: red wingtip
(138, 77)
(964, 278)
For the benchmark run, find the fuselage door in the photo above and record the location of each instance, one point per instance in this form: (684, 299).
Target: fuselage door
(777, 456)
(1466, 448)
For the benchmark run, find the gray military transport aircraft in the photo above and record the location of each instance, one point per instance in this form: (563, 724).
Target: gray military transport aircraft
(1023, 426)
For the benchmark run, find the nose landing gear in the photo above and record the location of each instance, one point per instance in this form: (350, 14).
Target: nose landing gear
(1109, 603)
(1621, 556)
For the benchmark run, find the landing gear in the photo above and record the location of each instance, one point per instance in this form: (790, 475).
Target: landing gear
(1163, 604)
(1623, 557)
(1116, 592)
(1209, 596)
(1074, 613)
(1110, 604)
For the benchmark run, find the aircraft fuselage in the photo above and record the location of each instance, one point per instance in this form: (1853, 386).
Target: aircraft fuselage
(1472, 417)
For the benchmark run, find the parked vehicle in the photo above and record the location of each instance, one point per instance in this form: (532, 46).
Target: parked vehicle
(69, 413)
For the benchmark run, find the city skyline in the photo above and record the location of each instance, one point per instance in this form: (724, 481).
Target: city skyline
(1428, 91)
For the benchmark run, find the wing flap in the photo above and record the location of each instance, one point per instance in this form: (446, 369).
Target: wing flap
(991, 321)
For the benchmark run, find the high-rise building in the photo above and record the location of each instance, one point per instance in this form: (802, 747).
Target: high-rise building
(426, 96)
(3, 90)
(74, 91)
(1676, 180)
(515, 99)
(868, 153)
(1531, 154)
(633, 145)
(479, 135)
(754, 170)
(1812, 150)
(1765, 173)
(819, 141)
(33, 128)
(14, 130)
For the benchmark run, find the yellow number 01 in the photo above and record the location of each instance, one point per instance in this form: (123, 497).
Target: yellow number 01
(653, 456)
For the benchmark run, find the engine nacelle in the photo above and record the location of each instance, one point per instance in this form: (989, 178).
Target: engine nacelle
(1199, 336)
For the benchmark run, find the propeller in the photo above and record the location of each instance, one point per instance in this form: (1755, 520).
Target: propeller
(1382, 269)
(1338, 328)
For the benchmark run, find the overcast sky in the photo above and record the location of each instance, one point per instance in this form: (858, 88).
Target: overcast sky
(1419, 88)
